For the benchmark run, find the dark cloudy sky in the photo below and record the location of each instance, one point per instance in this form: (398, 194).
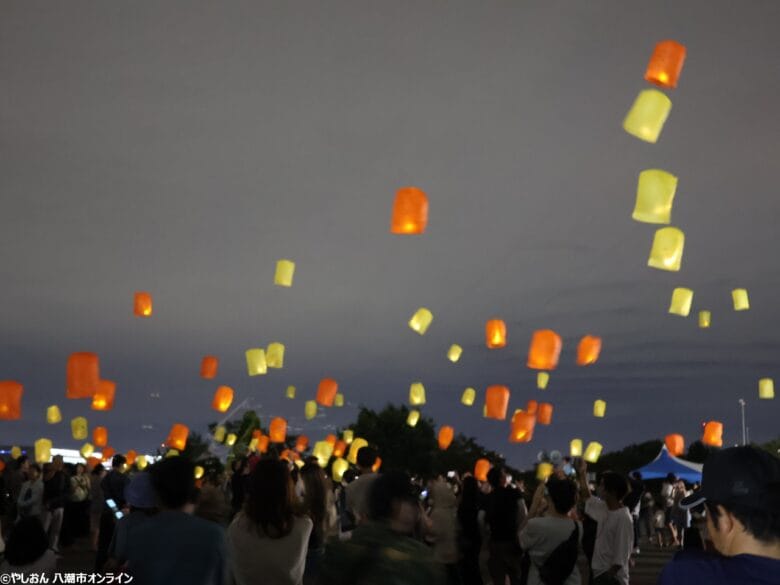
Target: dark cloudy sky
(182, 147)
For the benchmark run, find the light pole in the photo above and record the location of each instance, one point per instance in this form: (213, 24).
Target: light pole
(744, 433)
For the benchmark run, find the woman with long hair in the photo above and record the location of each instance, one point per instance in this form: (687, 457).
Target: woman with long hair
(267, 540)
(317, 503)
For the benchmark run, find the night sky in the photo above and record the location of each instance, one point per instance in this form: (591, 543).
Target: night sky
(182, 147)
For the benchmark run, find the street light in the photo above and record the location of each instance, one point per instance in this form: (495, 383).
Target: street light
(744, 433)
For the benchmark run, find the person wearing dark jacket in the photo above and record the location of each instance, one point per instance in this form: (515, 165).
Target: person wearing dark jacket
(56, 488)
(113, 486)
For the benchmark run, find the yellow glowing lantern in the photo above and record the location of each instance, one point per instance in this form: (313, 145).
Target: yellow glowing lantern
(252, 446)
(542, 379)
(322, 451)
(705, 318)
(667, 250)
(255, 362)
(740, 298)
(454, 352)
(199, 471)
(274, 355)
(326, 391)
(285, 269)
(348, 436)
(53, 414)
(103, 399)
(230, 440)
(421, 320)
(16, 452)
(647, 115)
(575, 448)
(413, 418)
(654, 196)
(357, 444)
(543, 471)
(223, 398)
(11, 400)
(100, 436)
(338, 401)
(78, 428)
(82, 375)
(592, 452)
(338, 469)
(416, 394)
(588, 350)
(599, 408)
(208, 367)
(682, 298)
(468, 397)
(42, 451)
(496, 402)
(666, 64)
(310, 409)
(86, 451)
(410, 211)
(713, 434)
(481, 468)
(545, 349)
(766, 388)
(177, 437)
(219, 433)
(495, 334)
(141, 462)
(290, 392)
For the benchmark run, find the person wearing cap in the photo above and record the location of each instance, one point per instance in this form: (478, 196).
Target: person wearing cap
(741, 494)
(139, 495)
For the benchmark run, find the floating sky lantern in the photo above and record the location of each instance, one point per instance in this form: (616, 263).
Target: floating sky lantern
(545, 350)
(142, 304)
(10, 400)
(339, 448)
(230, 440)
(223, 398)
(42, 451)
(446, 434)
(322, 451)
(740, 298)
(481, 469)
(141, 462)
(338, 401)
(83, 375)
(263, 441)
(331, 438)
(301, 443)
(86, 451)
(454, 352)
(654, 196)
(53, 414)
(667, 250)
(705, 319)
(338, 469)
(599, 408)
(130, 457)
(219, 433)
(199, 471)
(348, 435)
(421, 320)
(544, 470)
(256, 364)
(532, 406)
(278, 430)
(496, 402)
(666, 64)
(713, 434)
(468, 397)
(208, 367)
(647, 115)
(177, 437)
(542, 379)
(16, 452)
(100, 436)
(326, 391)
(274, 355)
(357, 444)
(575, 448)
(675, 444)
(544, 415)
(522, 429)
(592, 452)
(103, 399)
(766, 388)
(416, 394)
(290, 392)
(410, 212)
(682, 298)
(78, 428)
(495, 334)
(172, 453)
(310, 409)
(588, 350)
(285, 269)
(413, 418)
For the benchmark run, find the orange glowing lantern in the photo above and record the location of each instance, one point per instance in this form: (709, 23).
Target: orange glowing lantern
(544, 415)
(377, 464)
(410, 212)
(495, 334)
(92, 462)
(481, 469)
(223, 398)
(496, 402)
(208, 367)
(545, 350)
(713, 434)
(10, 400)
(522, 430)
(100, 436)
(301, 443)
(326, 391)
(588, 350)
(675, 444)
(83, 375)
(177, 437)
(531, 407)
(262, 443)
(108, 453)
(103, 399)
(142, 304)
(339, 448)
(278, 430)
(331, 439)
(666, 64)
(130, 457)
(446, 434)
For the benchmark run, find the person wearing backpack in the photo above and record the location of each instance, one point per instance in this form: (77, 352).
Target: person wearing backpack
(551, 539)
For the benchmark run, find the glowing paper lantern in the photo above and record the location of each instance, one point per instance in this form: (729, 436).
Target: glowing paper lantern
(543, 471)
(588, 350)
(339, 448)
(446, 434)
(103, 399)
(285, 269)
(544, 416)
(592, 452)
(421, 320)
(522, 430)
(219, 433)
(705, 318)
(495, 334)
(413, 418)
(142, 304)
(338, 401)
(666, 64)
(83, 375)
(599, 408)
(338, 468)
(255, 362)
(223, 398)
(42, 451)
(542, 378)
(532, 406)
(310, 409)
(575, 448)
(87, 450)
(199, 471)
(766, 388)
(416, 394)
(357, 444)
(545, 350)
(331, 438)
(348, 436)
(667, 250)
(278, 430)
(675, 444)
(301, 443)
(274, 355)
(740, 298)
(100, 436)
(468, 397)
(53, 414)
(326, 391)
(713, 434)
(647, 115)
(290, 392)
(496, 402)
(230, 440)
(654, 196)
(208, 367)
(78, 428)
(130, 457)
(170, 453)
(377, 465)
(322, 451)
(141, 462)
(682, 298)
(253, 444)
(16, 452)
(410, 212)
(481, 469)
(177, 437)
(454, 352)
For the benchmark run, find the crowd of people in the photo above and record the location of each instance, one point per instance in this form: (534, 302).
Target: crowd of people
(270, 521)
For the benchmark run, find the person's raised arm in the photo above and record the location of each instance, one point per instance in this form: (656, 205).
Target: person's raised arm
(582, 479)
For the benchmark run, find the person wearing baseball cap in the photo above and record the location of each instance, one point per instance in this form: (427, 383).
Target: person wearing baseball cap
(740, 491)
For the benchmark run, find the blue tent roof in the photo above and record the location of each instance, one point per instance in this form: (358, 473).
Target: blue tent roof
(666, 463)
